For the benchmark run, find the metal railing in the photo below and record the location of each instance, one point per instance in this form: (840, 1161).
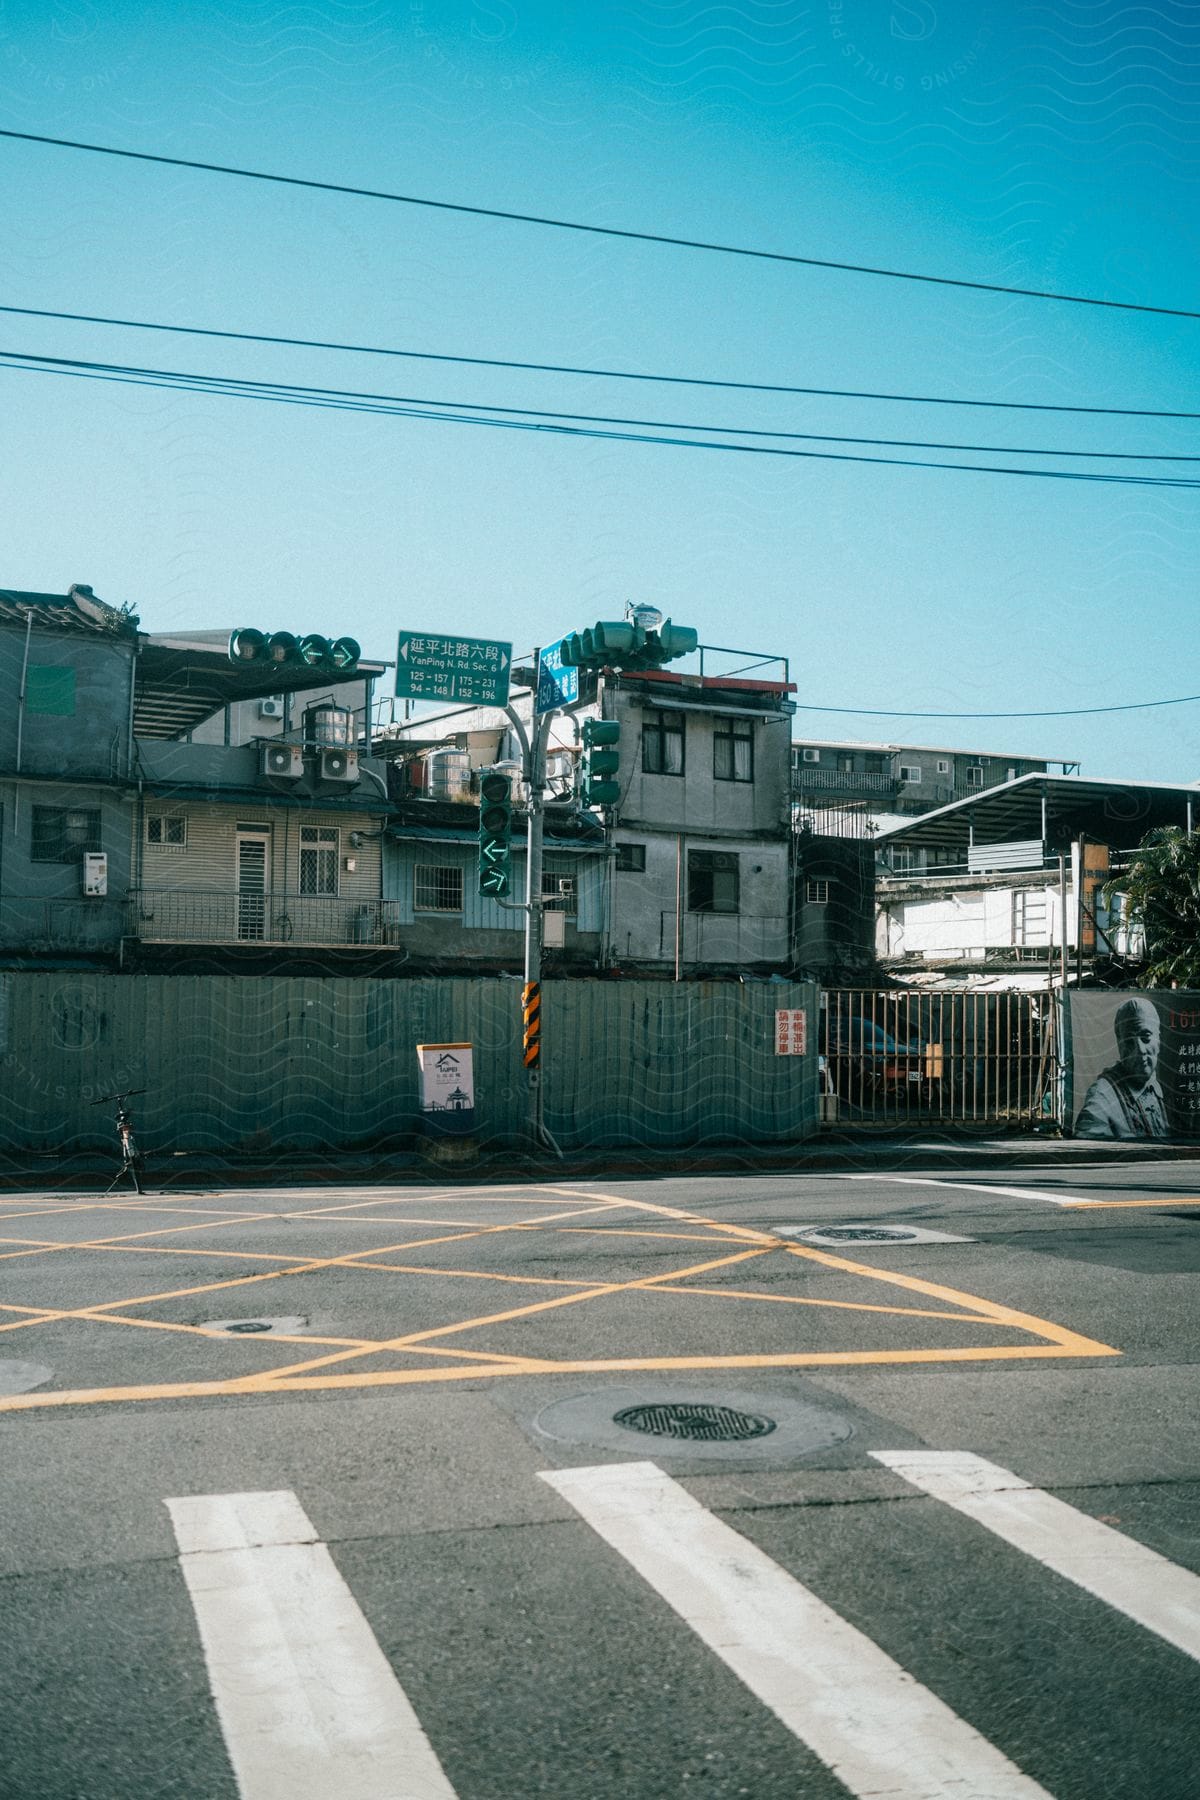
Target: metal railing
(183, 916)
(808, 779)
(891, 1057)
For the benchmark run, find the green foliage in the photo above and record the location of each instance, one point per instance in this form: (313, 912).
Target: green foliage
(1162, 895)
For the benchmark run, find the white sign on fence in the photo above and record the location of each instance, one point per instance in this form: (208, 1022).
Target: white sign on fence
(791, 1031)
(447, 1078)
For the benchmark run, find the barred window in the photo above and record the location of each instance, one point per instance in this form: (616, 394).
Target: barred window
(437, 888)
(733, 750)
(319, 859)
(63, 833)
(713, 881)
(816, 893)
(662, 744)
(165, 831)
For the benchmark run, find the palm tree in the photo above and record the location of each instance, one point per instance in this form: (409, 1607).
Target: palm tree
(1161, 890)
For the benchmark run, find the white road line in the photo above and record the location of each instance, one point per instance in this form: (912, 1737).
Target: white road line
(866, 1718)
(970, 1187)
(307, 1700)
(1136, 1581)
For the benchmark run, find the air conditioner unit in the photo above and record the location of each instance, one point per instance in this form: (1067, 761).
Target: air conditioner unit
(95, 873)
(285, 762)
(338, 765)
(271, 707)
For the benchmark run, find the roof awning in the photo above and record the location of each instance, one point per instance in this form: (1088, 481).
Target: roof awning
(1117, 813)
(181, 682)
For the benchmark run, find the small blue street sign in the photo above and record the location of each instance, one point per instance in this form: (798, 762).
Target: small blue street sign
(452, 668)
(557, 682)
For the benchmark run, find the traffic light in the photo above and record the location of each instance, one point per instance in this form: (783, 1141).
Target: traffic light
(601, 760)
(670, 641)
(495, 832)
(609, 644)
(337, 657)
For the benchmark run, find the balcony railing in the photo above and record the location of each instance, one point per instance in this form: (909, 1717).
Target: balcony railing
(188, 916)
(809, 780)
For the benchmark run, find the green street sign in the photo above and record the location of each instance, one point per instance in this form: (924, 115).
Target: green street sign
(452, 668)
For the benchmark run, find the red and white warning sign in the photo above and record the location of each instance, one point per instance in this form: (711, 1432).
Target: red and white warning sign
(791, 1031)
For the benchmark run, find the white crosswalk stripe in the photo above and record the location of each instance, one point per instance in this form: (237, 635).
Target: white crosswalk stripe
(311, 1708)
(308, 1703)
(875, 1727)
(1116, 1569)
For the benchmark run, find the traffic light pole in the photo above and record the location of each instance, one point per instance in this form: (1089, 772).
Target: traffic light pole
(533, 746)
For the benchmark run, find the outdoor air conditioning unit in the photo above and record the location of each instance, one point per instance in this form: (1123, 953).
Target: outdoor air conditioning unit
(285, 762)
(271, 707)
(338, 765)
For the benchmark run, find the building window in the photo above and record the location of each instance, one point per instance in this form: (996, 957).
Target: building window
(975, 776)
(662, 744)
(63, 833)
(901, 860)
(812, 755)
(437, 888)
(558, 891)
(166, 831)
(631, 859)
(943, 767)
(910, 772)
(318, 859)
(816, 893)
(50, 690)
(733, 750)
(712, 881)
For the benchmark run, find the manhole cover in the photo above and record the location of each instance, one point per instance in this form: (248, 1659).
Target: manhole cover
(281, 1327)
(866, 1234)
(697, 1421)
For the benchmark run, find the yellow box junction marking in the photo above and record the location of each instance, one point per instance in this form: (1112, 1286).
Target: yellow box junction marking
(327, 1371)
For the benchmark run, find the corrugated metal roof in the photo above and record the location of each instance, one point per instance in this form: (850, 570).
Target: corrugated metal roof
(76, 611)
(1115, 812)
(180, 683)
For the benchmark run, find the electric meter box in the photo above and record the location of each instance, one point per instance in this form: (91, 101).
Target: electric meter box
(95, 872)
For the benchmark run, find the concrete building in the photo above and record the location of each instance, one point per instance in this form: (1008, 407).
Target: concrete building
(123, 842)
(688, 873)
(848, 788)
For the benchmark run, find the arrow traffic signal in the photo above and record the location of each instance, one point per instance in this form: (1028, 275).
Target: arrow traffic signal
(495, 832)
(612, 644)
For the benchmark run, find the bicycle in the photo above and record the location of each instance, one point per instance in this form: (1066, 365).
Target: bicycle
(133, 1163)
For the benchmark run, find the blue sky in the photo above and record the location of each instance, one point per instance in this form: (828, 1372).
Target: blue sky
(1048, 147)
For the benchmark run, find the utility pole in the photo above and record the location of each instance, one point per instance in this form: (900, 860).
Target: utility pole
(533, 758)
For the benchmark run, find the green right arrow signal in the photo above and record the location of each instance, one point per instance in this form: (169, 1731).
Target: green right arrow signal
(495, 831)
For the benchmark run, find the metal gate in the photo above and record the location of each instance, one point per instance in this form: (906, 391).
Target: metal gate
(890, 1057)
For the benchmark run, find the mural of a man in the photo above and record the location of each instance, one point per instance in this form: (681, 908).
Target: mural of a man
(1125, 1100)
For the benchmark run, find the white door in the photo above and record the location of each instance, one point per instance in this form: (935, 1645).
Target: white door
(254, 883)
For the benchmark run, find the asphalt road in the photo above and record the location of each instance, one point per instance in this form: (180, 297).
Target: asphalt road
(389, 1540)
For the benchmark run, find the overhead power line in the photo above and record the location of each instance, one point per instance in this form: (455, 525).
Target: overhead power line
(608, 231)
(1068, 712)
(640, 432)
(499, 362)
(383, 401)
